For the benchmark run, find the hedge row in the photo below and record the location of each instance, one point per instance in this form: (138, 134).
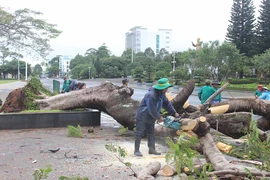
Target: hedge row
(248, 81)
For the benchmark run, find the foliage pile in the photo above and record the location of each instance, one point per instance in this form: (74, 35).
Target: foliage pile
(254, 148)
(181, 152)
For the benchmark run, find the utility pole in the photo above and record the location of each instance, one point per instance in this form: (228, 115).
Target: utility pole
(59, 61)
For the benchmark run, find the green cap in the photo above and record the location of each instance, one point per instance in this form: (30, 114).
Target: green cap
(163, 83)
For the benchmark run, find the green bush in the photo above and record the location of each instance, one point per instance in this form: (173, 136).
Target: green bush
(243, 81)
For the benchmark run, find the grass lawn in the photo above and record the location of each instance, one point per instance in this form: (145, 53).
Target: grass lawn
(7, 81)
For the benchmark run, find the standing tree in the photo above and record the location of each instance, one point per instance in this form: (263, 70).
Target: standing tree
(263, 29)
(103, 51)
(241, 27)
(262, 63)
(149, 52)
(227, 60)
(37, 70)
(163, 53)
(22, 31)
(5, 53)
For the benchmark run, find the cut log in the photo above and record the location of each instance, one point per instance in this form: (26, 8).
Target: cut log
(259, 106)
(263, 123)
(168, 170)
(149, 171)
(231, 124)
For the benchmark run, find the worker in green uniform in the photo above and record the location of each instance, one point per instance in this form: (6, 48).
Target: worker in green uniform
(206, 91)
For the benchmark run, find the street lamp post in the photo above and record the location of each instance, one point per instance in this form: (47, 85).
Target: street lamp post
(132, 48)
(25, 70)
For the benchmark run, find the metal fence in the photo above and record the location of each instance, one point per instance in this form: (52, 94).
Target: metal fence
(56, 86)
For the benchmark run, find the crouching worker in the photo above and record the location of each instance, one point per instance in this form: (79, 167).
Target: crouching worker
(149, 111)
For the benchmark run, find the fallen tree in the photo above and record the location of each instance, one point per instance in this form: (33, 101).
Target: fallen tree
(230, 117)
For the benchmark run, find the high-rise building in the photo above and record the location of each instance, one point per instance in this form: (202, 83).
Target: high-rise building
(139, 39)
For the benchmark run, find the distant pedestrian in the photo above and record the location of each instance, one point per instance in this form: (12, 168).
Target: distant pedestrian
(149, 111)
(258, 91)
(124, 83)
(217, 99)
(206, 91)
(265, 95)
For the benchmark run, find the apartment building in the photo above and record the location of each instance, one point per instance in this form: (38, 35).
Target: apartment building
(139, 38)
(64, 65)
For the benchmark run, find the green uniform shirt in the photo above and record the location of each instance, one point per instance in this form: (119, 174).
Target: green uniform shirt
(258, 93)
(218, 97)
(65, 87)
(205, 93)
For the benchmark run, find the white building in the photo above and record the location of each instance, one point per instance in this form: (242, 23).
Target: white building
(64, 65)
(139, 39)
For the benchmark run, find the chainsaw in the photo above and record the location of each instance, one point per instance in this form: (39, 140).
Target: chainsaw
(172, 122)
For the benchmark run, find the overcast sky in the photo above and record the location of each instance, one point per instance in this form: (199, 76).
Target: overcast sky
(90, 23)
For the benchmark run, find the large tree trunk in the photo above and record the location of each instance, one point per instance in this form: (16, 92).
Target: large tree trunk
(259, 106)
(109, 98)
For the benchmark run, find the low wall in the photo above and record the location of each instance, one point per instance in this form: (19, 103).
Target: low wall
(47, 120)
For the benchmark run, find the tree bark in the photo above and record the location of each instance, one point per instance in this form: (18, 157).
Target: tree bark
(182, 97)
(232, 124)
(263, 124)
(149, 171)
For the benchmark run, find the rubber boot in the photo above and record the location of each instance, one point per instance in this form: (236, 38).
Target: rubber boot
(137, 146)
(151, 145)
